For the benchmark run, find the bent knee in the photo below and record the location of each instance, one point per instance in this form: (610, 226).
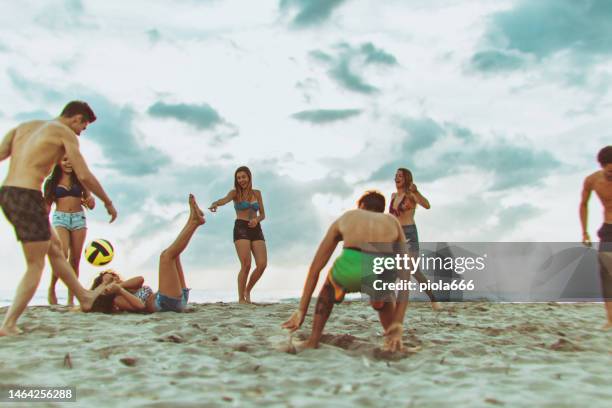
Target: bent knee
(36, 265)
(261, 265)
(56, 249)
(165, 256)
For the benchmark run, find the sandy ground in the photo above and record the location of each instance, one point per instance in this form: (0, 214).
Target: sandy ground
(471, 354)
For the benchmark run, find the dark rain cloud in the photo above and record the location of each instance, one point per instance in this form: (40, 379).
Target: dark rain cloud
(541, 29)
(310, 12)
(512, 165)
(323, 116)
(347, 65)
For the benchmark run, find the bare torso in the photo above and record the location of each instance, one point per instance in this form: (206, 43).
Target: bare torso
(603, 189)
(360, 226)
(36, 148)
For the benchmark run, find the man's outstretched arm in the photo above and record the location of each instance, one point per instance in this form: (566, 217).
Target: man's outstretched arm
(324, 252)
(6, 145)
(85, 176)
(584, 209)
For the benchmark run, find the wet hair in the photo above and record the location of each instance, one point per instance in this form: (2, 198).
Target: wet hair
(74, 108)
(407, 177)
(604, 156)
(372, 200)
(243, 194)
(103, 303)
(52, 182)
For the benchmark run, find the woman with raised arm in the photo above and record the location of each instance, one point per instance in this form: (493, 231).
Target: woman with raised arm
(403, 205)
(132, 295)
(248, 236)
(64, 189)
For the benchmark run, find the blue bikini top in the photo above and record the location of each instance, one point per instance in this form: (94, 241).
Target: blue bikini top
(246, 205)
(74, 191)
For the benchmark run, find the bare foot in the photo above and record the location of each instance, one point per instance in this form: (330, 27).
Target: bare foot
(196, 215)
(308, 344)
(10, 331)
(87, 301)
(247, 298)
(243, 302)
(51, 297)
(436, 307)
(607, 326)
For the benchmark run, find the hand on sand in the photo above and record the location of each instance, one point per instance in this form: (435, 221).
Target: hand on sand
(110, 209)
(294, 322)
(195, 213)
(393, 338)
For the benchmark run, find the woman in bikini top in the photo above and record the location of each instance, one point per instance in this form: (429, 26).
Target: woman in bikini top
(248, 235)
(403, 205)
(64, 190)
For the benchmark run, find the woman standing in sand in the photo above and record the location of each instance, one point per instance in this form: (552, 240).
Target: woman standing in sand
(64, 189)
(248, 236)
(133, 296)
(403, 205)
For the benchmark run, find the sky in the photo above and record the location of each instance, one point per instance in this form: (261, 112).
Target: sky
(498, 108)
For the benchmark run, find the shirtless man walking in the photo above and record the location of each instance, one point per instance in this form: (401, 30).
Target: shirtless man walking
(356, 227)
(34, 148)
(601, 183)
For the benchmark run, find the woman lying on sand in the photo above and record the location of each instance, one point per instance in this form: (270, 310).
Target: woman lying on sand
(133, 296)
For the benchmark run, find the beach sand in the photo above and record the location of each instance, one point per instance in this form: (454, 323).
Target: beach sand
(219, 354)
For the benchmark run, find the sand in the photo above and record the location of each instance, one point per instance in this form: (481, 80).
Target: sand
(226, 355)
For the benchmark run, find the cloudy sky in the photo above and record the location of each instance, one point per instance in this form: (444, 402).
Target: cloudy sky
(498, 108)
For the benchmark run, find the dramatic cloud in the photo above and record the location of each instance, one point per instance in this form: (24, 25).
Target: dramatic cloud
(344, 66)
(455, 148)
(496, 61)
(310, 12)
(545, 28)
(114, 131)
(322, 116)
(202, 117)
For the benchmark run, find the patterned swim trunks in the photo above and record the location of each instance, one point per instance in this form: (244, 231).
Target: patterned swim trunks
(26, 210)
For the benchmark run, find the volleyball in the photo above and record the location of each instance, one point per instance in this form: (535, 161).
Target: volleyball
(99, 252)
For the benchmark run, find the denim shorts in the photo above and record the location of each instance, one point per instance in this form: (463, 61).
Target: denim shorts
(70, 221)
(412, 236)
(165, 303)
